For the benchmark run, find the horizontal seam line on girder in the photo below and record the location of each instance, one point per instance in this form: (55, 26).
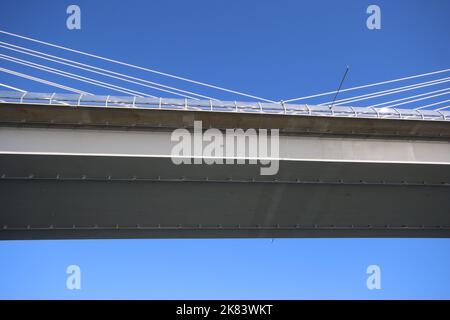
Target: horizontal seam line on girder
(231, 228)
(234, 158)
(225, 180)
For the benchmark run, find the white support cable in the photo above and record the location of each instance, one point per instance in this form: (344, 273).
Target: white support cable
(51, 100)
(50, 83)
(136, 67)
(106, 72)
(439, 109)
(75, 77)
(69, 75)
(415, 100)
(60, 102)
(433, 104)
(415, 96)
(367, 85)
(388, 92)
(396, 91)
(11, 87)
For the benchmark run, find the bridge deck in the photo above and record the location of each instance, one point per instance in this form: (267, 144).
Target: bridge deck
(384, 178)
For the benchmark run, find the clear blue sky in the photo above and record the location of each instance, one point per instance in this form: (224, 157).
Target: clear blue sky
(274, 49)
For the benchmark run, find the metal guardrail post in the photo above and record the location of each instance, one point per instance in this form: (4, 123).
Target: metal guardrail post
(79, 99)
(399, 113)
(51, 98)
(420, 113)
(308, 108)
(443, 115)
(21, 98)
(284, 107)
(376, 112)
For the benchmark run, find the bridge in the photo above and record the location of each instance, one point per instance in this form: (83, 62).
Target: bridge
(82, 166)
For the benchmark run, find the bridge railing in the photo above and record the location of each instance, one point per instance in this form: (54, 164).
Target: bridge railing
(74, 100)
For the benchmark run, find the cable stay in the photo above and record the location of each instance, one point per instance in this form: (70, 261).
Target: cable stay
(389, 91)
(75, 77)
(106, 72)
(367, 85)
(415, 100)
(50, 83)
(136, 66)
(11, 87)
